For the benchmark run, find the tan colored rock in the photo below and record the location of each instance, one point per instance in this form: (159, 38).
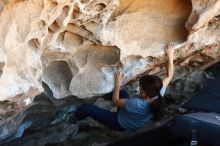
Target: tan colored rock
(74, 46)
(145, 26)
(2, 4)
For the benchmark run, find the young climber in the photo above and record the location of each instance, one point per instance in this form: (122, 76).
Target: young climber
(133, 112)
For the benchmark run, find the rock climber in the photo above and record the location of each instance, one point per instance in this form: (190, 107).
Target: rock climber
(133, 112)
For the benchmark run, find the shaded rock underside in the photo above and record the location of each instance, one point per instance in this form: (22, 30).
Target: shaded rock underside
(74, 47)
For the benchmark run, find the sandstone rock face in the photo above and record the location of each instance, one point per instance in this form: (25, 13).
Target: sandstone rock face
(74, 46)
(2, 4)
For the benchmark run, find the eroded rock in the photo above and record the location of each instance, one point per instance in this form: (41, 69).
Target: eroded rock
(75, 47)
(89, 38)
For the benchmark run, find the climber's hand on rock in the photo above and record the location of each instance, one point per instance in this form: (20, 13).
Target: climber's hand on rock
(169, 49)
(118, 78)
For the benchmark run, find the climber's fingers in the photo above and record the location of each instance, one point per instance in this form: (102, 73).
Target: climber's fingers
(168, 48)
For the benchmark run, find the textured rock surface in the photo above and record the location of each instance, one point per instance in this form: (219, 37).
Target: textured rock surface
(75, 45)
(86, 38)
(2, 4)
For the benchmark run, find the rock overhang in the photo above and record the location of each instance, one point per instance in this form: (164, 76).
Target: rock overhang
(90, 38)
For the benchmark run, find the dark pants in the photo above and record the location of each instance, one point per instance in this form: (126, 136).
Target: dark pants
(109, 119)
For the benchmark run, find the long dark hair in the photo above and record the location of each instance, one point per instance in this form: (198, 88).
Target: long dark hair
(151, 85)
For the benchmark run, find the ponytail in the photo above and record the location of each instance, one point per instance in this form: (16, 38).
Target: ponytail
(151, 85)
(157, 107)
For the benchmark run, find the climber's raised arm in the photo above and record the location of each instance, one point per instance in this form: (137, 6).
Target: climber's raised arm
(169, 50)
(115, 95)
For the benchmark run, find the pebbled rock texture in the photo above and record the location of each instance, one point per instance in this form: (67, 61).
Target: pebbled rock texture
(74, 46)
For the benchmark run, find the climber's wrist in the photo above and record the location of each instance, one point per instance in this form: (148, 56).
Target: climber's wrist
(117, 84)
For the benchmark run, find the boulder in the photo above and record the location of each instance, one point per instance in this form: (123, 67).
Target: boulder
(76, 46)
